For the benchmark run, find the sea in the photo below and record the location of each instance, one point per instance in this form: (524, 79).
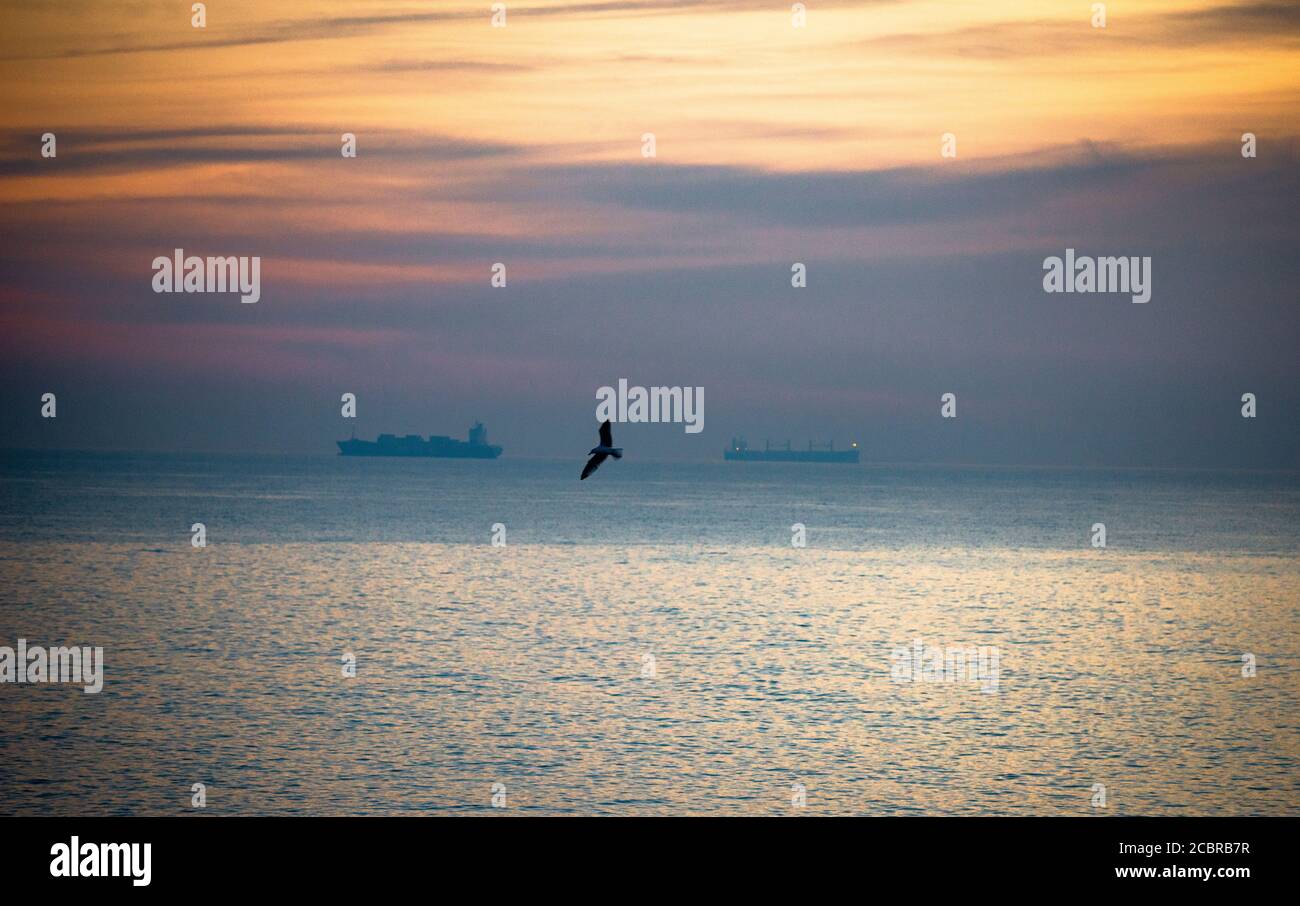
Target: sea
(432, 636)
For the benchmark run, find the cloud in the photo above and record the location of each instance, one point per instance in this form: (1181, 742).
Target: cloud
(938, 194)
(1265, 23)
(318, 28)
(104, 149)
(447, 65)
(606, 217)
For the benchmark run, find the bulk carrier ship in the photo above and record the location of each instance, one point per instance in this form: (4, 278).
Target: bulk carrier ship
(740, 452)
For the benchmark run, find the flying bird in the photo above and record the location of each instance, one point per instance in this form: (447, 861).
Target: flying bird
(603, 449)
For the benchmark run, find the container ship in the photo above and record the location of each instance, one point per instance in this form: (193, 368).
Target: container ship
(740, 452)
(414, 445)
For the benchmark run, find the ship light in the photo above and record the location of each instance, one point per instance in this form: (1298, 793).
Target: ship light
(855, 445)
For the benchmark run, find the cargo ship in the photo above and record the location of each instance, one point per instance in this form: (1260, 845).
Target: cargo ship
(740, 452)
(414, 445)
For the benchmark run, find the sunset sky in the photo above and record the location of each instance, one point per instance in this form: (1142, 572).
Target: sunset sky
(774, 145)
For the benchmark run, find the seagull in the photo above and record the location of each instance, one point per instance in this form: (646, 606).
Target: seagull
(604, 449)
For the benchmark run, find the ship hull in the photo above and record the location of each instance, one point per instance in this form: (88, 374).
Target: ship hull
(421, 451)
(830, 456)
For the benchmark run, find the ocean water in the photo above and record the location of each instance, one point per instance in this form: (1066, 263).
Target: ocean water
(647, 641)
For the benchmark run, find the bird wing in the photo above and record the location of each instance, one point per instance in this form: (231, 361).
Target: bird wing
(606, 435)
(593, 464)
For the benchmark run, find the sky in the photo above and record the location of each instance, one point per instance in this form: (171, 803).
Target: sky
(774, 144)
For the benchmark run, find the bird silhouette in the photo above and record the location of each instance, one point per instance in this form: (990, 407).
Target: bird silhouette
(602, 450)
